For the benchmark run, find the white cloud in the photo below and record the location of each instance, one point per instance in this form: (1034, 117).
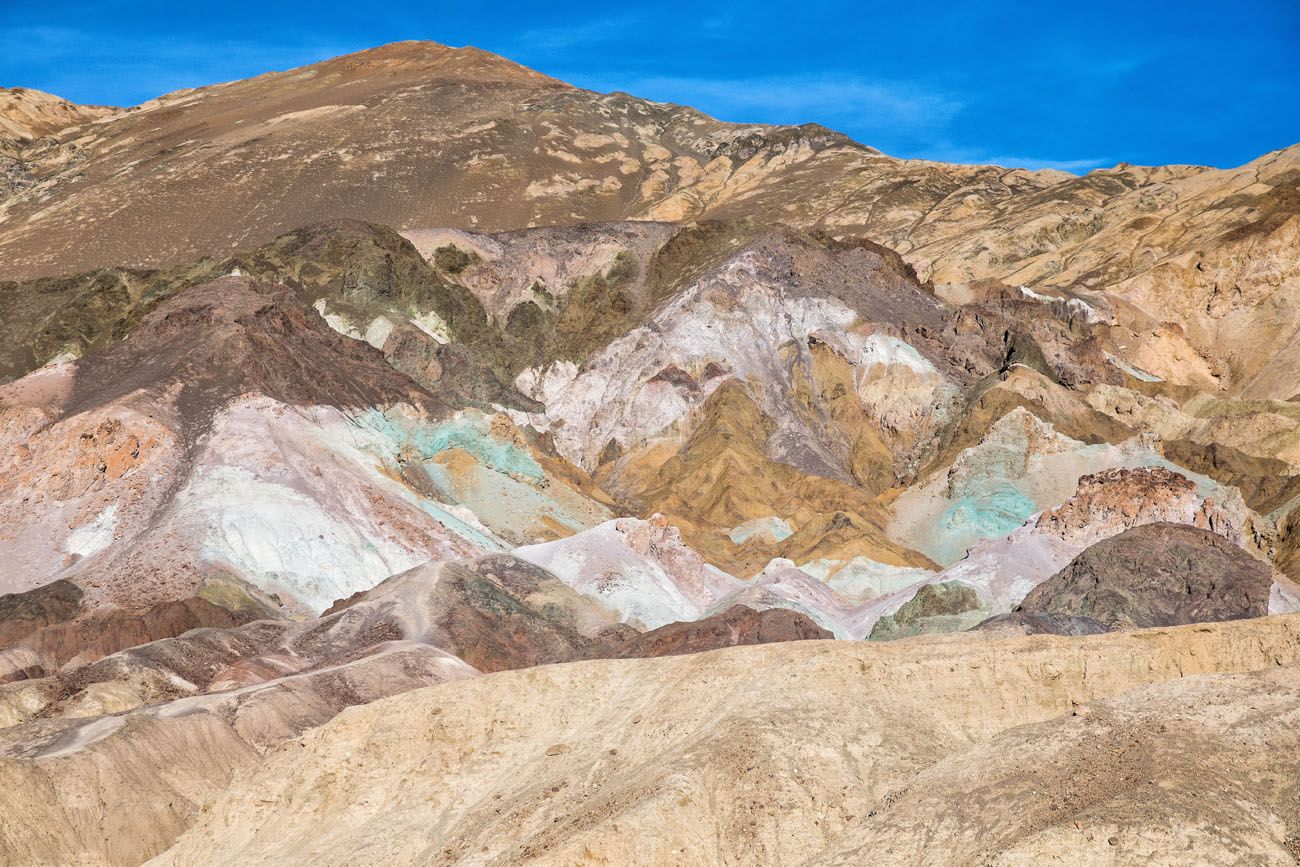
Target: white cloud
(562, 38)
(975, 157)
(835, 101)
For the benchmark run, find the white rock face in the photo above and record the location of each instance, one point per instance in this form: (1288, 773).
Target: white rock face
(863, 579)
(640, 570)
(94, 537)
(315, 503)
(1089, 312)
(337, 321)
(431, 324)
(63, 358)
(1003, 571)
(378, 330)
(645, 575)
(303, 501)
(768, 530)
(1284, 596)
(291, 543)
(544, 384)
(1131, 370)
(734, 323)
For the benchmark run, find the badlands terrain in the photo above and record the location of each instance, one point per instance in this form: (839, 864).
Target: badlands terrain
(413, 459)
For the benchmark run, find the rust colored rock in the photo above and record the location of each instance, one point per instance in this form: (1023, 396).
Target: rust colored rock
(44, 650)
(1120, 498)
(737, 625)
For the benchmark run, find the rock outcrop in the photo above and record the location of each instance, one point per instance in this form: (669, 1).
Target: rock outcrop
(1130, 248)
(1040, 623)
(947, 607)
(736, 626)
(27, 114)
(233, 436)
(1157, 575)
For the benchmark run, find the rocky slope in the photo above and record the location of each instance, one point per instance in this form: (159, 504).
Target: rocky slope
(27, 114)
(702, 758)
(235, 451)
(490, 613)
(834, 434)
(735, 626)
(1157, 575)
(418, 369)
(1189, 269)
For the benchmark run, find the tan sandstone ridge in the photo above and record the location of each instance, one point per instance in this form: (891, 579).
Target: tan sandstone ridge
(1080, 751)
(26, 114)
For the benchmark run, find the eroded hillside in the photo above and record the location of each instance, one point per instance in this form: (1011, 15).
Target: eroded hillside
(367, 428)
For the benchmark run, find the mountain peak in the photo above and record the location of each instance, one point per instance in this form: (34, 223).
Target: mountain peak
(420, 55)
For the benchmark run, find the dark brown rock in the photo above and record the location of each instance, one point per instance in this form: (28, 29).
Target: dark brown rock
(24, 613)
(1157, 575)
(1265, 483)
(233, 336)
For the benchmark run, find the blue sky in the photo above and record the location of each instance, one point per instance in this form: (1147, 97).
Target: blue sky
(1072, 85)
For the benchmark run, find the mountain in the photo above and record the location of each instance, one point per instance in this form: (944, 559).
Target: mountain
(370, 136)
(399, 379)
(373, 136)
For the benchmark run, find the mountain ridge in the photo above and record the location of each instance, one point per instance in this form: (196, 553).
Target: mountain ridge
(421, 136)
(367, 427)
